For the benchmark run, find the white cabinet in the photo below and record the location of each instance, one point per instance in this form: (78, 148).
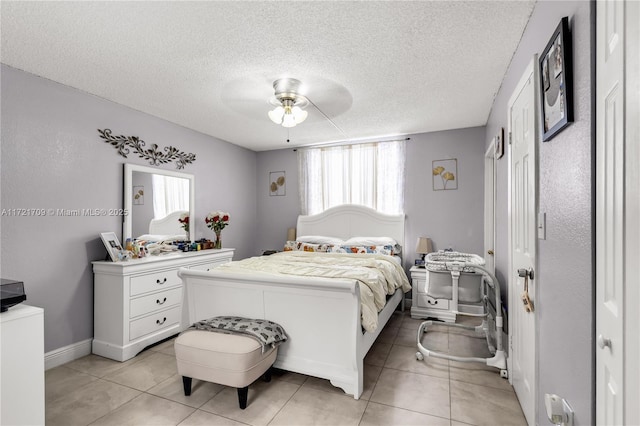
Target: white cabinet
(22, 366)
(140, 302)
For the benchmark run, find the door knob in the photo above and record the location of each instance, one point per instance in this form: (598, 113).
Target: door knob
(490, 252)
(603, 343)
(524, 273)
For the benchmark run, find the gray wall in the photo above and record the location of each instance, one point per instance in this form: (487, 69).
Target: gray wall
(565, 278)
(52, 157)
(276, 213)
(449, 218)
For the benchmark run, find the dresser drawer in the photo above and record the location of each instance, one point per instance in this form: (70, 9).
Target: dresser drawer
(429, 302)
(154, 302)
(210, 265)
(155, 322)
(152, 282)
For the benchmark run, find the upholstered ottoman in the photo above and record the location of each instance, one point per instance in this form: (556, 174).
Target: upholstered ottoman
(235, 360)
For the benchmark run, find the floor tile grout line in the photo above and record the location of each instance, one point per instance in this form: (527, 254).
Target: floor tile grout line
(285, 404)
(115, 409)
(411, 411)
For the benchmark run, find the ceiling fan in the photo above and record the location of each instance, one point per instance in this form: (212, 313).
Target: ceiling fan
(288, 102)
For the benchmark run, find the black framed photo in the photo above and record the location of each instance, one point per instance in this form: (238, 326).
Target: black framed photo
(111, 243)
(556, 82)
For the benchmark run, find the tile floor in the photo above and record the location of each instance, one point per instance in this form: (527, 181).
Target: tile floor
(398, 390)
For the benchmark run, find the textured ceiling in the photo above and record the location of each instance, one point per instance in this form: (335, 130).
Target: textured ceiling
(375, 68)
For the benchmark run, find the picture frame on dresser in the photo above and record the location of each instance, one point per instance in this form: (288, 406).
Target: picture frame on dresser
(111, 243)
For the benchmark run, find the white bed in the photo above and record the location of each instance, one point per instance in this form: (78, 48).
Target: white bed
(321, 316)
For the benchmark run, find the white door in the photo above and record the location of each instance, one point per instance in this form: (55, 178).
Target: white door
(523, 239)
(610, 229)
(489, 207)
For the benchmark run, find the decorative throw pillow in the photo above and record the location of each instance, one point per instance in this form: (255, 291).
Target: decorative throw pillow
(387, 250)
(300, 246)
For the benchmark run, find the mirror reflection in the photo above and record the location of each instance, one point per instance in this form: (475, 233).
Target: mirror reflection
(159, 203)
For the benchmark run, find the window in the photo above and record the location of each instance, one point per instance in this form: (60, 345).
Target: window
(370, 174)
(170, 194)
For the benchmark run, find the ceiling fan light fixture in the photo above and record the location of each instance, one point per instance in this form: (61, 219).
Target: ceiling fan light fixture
(288, 102)
(299, 114)
(276, 114)
(289, 121)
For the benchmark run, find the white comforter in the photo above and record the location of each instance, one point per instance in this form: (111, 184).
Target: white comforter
(378, 275)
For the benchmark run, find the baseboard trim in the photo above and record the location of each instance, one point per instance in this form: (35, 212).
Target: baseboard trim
(66, 354)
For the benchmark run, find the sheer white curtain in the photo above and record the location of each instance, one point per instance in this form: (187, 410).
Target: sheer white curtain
(170, 194)
(370, 174)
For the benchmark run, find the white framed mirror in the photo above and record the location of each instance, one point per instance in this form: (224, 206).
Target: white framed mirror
(155, 199)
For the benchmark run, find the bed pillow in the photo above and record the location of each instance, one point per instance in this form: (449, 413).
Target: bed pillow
(371, 249)
(375, 241)
(319, 239)
(300, 246)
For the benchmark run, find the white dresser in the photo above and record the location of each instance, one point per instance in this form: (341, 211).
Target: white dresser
(140, 302)
(22, 366)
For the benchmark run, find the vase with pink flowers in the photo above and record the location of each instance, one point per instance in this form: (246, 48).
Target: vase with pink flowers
(184, 222)
(217, 221)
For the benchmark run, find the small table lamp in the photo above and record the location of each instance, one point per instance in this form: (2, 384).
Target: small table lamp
(291, 234)
(424, 246)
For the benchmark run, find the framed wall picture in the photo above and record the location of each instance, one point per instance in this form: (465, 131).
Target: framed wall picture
(445, 174)
(277, 183)
(556, 82)
(111, 243)
(138, 195)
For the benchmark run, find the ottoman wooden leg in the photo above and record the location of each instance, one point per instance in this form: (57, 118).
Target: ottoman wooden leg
(242, 397)
(186, 384)
(267, 375)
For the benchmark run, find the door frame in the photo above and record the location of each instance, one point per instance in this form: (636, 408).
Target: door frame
(531, 71)
(632, 203)
(490, 181)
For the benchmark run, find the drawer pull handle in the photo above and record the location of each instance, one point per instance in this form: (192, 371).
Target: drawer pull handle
(163, 281)
(432, 302)
(161, 322)
(161, 303)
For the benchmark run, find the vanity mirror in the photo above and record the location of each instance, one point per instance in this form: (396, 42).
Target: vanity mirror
(155, 199)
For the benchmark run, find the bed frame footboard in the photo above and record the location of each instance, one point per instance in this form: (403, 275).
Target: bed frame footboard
(320, 316)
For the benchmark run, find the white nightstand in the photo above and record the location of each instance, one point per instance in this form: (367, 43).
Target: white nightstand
(424, 306)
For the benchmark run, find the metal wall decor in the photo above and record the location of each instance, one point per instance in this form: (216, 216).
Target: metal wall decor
(445, 174)
(123, 143)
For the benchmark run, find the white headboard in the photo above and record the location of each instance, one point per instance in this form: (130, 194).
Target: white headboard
(168, 225)
(351, 220)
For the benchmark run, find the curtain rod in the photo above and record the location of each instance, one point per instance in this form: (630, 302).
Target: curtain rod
(343, 143)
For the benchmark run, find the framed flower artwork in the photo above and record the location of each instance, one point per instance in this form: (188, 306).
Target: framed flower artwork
(445, 174)
(277, 183)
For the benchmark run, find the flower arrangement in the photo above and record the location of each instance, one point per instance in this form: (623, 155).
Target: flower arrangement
(217, 221)
(184, 220)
